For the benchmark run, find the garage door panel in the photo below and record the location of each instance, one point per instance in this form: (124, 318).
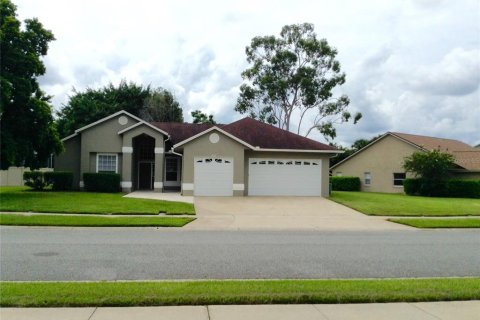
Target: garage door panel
(284, 177)
(213, 177)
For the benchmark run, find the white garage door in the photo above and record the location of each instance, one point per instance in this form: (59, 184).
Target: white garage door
(213, 177)
(284, 177)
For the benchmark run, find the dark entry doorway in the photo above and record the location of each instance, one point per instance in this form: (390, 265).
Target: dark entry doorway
(144, 162)
(146, 174)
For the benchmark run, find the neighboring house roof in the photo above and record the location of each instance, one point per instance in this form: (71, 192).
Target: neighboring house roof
(469, 160)
(432, 143)
(465, 155)
(250, 132)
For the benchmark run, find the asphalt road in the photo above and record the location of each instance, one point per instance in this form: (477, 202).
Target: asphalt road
(146, 254)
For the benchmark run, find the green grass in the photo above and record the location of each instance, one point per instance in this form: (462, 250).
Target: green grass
(440, 223)
(387, 204)
(100, 294)
(90, 221)
(21, 199)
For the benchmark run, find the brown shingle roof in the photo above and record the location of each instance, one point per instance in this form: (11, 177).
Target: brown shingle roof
(253, 132)
(465, 155)
(181, 131)
(266, 136)
(432, 143)
(469, 160)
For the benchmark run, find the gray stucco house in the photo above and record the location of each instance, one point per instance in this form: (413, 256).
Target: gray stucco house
(246, 157)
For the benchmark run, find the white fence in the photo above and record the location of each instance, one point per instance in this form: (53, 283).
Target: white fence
(14, 175)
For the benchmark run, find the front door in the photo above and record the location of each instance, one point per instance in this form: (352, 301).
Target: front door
(146, 174)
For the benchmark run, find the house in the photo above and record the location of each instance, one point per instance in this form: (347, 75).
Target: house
(380, 164)
(246, 157)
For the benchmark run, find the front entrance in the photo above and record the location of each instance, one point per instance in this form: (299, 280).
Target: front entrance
(146, 174)
(143, 166)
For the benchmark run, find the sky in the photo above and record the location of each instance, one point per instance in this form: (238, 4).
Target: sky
(412, 66)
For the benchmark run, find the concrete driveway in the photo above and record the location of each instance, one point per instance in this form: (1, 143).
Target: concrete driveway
(282, 213)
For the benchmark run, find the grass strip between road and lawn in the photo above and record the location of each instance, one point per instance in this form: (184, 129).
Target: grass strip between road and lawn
(439, 223)
(102, 294)
(389, 204)
(21, 199)
(90, 221)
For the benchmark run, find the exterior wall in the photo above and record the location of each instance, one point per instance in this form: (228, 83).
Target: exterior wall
(382, 159)
(128, 167)
(13, 176)
(103, 138)
(202, 147)
(291, 155)
(69, 159)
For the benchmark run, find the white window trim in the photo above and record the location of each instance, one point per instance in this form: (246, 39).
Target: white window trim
(108, 154)
(393, 181)
(365, 178)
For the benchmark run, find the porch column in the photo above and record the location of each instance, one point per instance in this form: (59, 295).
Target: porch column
(158, 180)
(127, 169)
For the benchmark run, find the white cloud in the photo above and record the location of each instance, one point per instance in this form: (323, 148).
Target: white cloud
(411, 66)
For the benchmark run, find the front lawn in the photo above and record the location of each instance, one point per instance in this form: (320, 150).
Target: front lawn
(388, 204)
(102, 294)
(21, 199)
(439, 223)
(90, 221)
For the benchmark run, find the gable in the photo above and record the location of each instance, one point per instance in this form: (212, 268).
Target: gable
(385, 149)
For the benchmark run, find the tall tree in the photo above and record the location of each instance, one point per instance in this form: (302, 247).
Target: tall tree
(292, 77)
(28, 132)
(161, 106)
(91, 105)
(200, 117)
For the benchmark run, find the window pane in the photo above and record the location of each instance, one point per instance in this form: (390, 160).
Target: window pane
(107, 163)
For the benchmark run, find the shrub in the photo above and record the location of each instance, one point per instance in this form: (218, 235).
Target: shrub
(462, 188)
(34, 179)
(60, 180)
(433, 188)
(102, 182)
(345, 183)
(412, 186)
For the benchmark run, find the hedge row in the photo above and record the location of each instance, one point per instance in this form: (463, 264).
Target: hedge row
(101, 182)
(38, 180)
(455, 188)
(345, 183)
(60, 180)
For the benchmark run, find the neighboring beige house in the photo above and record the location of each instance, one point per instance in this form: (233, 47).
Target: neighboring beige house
(380, 164)
(246, 157)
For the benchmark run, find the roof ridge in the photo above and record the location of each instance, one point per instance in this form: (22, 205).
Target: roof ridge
(423, 136)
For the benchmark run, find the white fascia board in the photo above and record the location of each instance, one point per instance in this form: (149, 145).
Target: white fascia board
(298, 150)
(69, 137)
(105, 119)
(119, 113)
(141, 122)
(209, 130)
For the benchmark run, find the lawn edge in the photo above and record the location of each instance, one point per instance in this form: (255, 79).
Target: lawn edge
(172, 292)
(165, 221)
(406, 223)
